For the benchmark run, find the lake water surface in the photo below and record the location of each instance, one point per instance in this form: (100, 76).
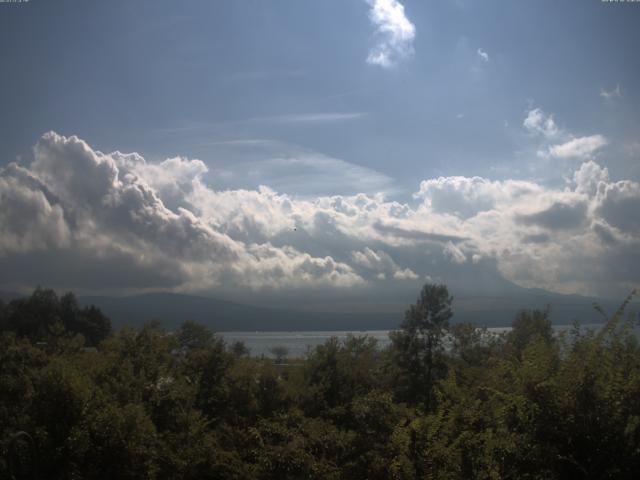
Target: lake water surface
(259, 343)
(298, 343)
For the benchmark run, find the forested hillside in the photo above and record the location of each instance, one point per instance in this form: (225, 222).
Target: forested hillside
(78, 400)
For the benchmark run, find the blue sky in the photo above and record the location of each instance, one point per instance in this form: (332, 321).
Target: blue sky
(181, 78)
(342, 97)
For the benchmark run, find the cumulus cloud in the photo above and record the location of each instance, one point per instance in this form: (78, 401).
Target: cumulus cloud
(589, 177)
(538, 122)
(484, 56)
(394, 31)
(540, 237)
(79, 218)
(558, 143)
(454, 253)
(382, 264)
(465, 197)
(618, 203)
(75, 200)
(267, 266)
(582, 147)
(30, 218)
(558, 216)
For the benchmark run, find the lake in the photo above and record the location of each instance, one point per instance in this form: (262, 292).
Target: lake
(259, 343)
(298, 343)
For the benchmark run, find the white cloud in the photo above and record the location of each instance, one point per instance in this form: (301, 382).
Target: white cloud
(618, 204)
(305, 173)
(465, 197)
(29, 216)
(268, 266)
(314, 117)
(611, 94)
(581, 147)
(484, 56)
(589, 177)
(540, 123)
(394, 30)
(104, 204)
(454, 253)
(558, 143)
(79, 218)
(382, 264)
(302, 119)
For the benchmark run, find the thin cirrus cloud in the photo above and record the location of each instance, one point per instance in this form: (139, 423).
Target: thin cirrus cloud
(611, 94)
(288, 118)
(118, 221)
(312, 117)
(292, 169)
(304, 173)
(394, 31)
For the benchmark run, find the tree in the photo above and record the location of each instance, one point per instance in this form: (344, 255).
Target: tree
(280, 353)
(193, 335)
(239, 349)
(417, 348)
(44, 315)
(93, 324)
(336, 372)
(209, 368)
(114, 442)
(2, 309)
(529, 325)
(33, 317)
(470, 344)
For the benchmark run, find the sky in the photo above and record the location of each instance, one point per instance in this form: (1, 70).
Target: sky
(334, 150)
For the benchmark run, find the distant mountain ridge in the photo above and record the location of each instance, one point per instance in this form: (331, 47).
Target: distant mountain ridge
(222, 315)
(171, 309)
(8, 296)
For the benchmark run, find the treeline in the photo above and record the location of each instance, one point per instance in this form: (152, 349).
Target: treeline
(442, 401)
(44, 316)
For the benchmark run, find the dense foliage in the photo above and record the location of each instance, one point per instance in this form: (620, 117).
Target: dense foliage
(443, 401)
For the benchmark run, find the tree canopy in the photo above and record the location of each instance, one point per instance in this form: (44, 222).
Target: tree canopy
(442, 401)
